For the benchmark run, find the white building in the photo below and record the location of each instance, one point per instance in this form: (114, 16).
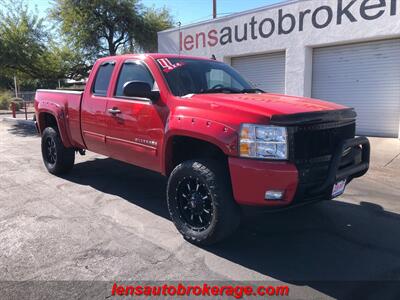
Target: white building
(345, 51)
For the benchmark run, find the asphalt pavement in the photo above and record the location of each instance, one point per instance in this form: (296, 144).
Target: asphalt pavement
(108, 221)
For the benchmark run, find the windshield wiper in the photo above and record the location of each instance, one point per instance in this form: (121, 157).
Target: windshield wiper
(252, 90)
(220, 90)
(231, 90)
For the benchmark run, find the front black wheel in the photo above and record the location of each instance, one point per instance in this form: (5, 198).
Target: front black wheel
(200, 202)
(56, 157)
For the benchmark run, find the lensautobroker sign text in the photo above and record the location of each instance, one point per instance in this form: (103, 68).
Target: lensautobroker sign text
(286, 23)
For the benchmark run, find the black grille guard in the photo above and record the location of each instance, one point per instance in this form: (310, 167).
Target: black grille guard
(355, 170)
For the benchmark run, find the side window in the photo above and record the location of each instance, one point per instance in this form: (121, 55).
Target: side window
(103, 77)
(131, 71)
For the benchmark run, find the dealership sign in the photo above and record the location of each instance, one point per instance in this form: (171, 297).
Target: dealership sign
(285, 23)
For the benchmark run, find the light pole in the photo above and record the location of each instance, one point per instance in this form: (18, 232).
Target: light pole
(15, 86)
(214, 9)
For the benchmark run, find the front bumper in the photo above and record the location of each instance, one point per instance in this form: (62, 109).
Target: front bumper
(300, 183)
(251, 178)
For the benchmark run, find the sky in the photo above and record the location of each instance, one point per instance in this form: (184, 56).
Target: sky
(186, 11)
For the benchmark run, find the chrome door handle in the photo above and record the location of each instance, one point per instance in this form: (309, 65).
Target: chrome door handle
(114, 111)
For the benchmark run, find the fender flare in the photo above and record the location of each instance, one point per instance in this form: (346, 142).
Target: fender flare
(215, 133)
(59, 115)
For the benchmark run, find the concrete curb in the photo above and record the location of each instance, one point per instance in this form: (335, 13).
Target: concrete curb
(19, 121)
(4, 113)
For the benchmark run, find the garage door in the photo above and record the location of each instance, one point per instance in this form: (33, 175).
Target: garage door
(265, 71)
(365, 76)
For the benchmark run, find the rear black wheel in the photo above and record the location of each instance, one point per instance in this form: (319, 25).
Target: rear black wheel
(56, 157)
(200, 202)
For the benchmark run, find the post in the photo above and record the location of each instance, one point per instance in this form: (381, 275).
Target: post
(26, 111)
(13, 109)
(214, 9)
(15, 86)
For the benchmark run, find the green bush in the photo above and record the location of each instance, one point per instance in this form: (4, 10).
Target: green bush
(5, 99)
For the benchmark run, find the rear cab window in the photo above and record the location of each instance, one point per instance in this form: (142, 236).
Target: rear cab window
(103, 77)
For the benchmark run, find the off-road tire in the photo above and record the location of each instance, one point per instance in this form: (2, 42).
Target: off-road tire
(60, 159)
(226, 213)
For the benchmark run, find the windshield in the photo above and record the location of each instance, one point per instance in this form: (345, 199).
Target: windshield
(196, 76)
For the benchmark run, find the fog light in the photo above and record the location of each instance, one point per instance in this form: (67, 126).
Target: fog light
(274, 195)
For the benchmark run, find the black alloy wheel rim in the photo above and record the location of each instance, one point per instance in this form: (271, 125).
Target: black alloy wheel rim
(194, 203)
(51, 151)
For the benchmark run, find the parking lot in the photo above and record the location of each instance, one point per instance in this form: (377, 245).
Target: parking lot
(108, 221)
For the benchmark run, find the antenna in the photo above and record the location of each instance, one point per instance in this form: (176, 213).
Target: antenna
(179, 38)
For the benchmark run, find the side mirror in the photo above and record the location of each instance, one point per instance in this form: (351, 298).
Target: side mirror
(140, 89)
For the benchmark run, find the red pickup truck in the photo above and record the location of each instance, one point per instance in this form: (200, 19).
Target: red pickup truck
(222, 143)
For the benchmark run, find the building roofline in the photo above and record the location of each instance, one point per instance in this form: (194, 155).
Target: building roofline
(233, 15)
(145, 55)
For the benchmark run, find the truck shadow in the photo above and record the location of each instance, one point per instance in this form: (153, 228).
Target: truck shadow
(319, 245)
(343, 250)
(23, 130)
(136, 185)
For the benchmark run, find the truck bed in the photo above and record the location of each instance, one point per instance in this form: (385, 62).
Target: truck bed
(68, 103)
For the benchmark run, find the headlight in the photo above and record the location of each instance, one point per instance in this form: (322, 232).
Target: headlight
(262, 141)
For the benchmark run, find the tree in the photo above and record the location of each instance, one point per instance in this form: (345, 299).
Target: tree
(107, 27)
(154, 20)
(67, 61)
(28, 51)
(22, 39)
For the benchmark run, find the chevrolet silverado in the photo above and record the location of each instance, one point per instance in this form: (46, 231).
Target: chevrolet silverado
(223, 144)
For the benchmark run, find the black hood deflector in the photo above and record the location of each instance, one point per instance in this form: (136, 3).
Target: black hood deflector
(346, 115)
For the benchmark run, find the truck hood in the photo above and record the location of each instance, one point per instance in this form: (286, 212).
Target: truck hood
(266, 104)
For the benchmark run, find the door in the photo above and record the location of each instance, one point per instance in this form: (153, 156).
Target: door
(94, 116)
(265, 71)
(365, 76)
(135, 127)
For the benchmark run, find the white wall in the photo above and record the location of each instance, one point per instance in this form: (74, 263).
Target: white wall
(384, 23)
